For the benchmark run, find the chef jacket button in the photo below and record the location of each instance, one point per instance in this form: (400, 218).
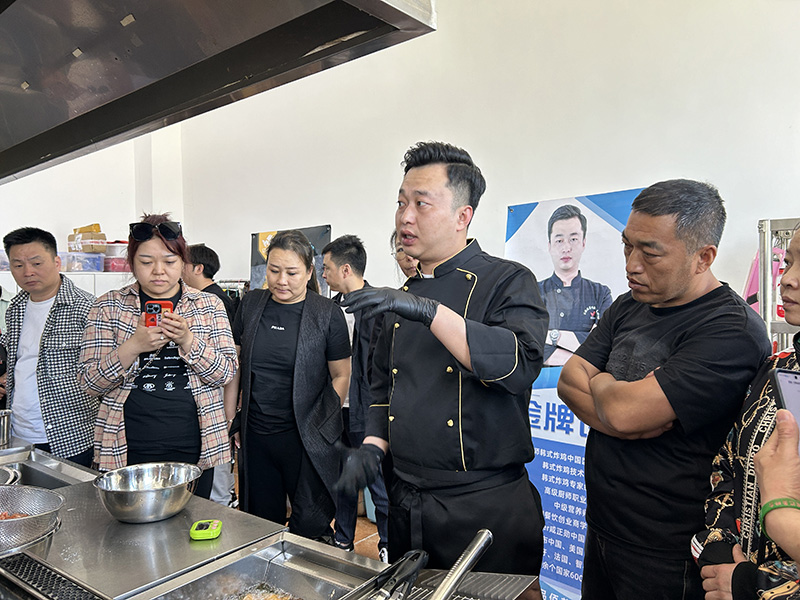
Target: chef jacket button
(391, 417)
(449, 422)
(449, 369)
(405, 288)
(394, 371)
(469, 277)
(396, 325)
(561, 314)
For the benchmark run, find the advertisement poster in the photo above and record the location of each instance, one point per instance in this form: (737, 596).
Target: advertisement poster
(319, 237)
(577, 240)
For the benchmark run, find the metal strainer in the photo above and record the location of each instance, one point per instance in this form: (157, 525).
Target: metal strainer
(9, 475)
(40, 504)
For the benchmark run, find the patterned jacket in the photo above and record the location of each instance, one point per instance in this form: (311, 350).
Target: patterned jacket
(212, 363)
(317, 407)
(68, 412)
(733, 506)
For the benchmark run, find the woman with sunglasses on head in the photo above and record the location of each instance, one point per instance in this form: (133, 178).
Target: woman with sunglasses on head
(161, 386)
(295, 356)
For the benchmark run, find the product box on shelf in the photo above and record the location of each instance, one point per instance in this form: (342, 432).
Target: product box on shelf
(93, 228)
(117, 248)
(92, 242)
(84, 261)
(116, 264)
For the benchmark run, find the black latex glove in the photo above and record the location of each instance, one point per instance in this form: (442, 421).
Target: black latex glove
(361, 467)
(374, 301)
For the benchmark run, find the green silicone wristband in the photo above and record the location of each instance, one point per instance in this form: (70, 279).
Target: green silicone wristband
(772, 505)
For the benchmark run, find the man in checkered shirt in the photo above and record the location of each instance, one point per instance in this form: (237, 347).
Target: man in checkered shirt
(42, 335)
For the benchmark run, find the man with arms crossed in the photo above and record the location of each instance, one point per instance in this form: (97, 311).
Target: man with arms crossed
(459, 348)
(660, 381)
(44, 326)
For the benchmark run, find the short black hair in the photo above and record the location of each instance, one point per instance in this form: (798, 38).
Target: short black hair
(348, 250)
(294, 240)
(200, 254)
(465, 178)
(698, 209)
(28, 235)
(562, 213)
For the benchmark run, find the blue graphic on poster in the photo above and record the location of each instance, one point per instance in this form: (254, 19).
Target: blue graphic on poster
(595, 253)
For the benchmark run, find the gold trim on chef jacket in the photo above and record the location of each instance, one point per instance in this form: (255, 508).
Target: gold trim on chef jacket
(472, 277)
(516, 362)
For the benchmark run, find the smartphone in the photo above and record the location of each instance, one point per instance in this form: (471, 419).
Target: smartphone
(208, 529)
(153, 309)
(787, 386)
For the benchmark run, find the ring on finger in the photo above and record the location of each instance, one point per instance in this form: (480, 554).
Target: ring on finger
(162, 338)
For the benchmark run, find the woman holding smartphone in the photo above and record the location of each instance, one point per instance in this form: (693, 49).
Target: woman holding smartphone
(161, 386)
(752, 565)
(295, 355)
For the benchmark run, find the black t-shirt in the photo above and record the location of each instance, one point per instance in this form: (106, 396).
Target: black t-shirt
(270, 408)
(227, 301)
(160, 411)
(650, 493)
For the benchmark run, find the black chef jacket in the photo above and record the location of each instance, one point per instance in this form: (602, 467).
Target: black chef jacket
(435, 413)
(459, 439)
(576, 307)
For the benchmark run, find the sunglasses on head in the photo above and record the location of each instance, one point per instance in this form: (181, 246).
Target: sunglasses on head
(169, 230)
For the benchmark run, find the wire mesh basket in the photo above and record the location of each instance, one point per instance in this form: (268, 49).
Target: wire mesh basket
(39, 504)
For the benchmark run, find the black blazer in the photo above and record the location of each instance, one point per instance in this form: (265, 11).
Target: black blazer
(317, 407)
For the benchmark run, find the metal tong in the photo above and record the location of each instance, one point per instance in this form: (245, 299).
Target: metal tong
(479, 544)
(394, 581)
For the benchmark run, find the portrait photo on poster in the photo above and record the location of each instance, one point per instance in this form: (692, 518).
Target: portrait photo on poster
(573, 246)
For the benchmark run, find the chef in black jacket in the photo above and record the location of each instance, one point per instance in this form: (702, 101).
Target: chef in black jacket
(458, 351)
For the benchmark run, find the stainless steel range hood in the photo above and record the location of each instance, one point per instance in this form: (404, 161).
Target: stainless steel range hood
(80, 75)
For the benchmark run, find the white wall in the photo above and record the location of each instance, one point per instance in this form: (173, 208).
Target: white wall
(112, 187)
(553, 98)
(96, 188)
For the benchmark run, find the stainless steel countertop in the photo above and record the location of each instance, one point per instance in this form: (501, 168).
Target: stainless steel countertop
(118, 560)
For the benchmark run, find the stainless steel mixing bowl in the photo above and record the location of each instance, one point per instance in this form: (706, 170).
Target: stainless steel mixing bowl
(148, 492)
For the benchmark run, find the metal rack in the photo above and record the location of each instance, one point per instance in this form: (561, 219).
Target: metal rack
(773, 233)
(235, 288)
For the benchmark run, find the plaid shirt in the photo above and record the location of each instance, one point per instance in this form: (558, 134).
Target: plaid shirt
(212, 363)
(68, 412)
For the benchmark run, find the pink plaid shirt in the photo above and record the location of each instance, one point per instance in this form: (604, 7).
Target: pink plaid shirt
(212, 363)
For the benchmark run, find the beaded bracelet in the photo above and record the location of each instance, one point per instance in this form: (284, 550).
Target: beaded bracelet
(772, 505)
